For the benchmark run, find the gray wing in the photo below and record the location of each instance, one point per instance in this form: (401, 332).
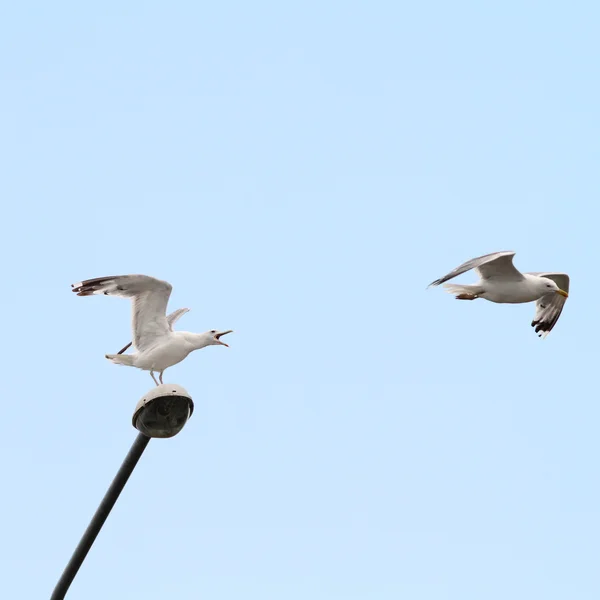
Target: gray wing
(171, 320)
(149, 299)
(549, 307)
(494, 265)
(175, 316)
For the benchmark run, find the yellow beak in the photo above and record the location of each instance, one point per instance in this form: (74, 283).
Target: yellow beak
(562, 293)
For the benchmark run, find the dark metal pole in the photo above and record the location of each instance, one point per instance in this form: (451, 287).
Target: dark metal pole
(93, 529)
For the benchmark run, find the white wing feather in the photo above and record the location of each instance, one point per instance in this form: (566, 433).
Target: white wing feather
(489, 266)
(171, 320)
(149, 297)
(175, 316)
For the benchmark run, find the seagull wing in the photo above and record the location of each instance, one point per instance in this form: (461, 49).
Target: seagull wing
(497, 265)
(171, 320)
(149, 303)
(549, 307)
(175, 316)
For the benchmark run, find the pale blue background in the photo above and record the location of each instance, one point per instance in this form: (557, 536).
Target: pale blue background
(300, 171)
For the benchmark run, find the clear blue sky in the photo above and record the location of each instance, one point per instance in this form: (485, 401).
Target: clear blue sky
(300, 171)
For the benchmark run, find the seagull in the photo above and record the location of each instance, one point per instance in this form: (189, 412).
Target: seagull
(158, 346)
(501, 282)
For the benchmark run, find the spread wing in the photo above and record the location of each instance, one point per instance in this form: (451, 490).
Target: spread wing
(175, 316)
(171, 320)
(149, 303)
(489, 266)
(549, 307)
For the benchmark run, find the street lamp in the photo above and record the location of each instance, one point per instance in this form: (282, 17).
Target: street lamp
(161, 413)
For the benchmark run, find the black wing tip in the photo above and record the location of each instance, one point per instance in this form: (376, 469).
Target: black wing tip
(542, 327)
(87, 287)
(125, 348)
(85, 291)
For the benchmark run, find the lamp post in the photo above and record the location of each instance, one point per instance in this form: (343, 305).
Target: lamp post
(161, 413)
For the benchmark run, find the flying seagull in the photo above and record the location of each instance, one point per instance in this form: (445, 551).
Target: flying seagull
(501, 282)
(158, 346)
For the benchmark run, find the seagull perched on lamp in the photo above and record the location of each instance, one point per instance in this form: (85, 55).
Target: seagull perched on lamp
(158, 346)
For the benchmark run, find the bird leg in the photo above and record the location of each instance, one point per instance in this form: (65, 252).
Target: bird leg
(152, 375)
(467, 297)
(160, 376)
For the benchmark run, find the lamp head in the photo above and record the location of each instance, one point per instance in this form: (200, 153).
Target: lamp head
(163, 411)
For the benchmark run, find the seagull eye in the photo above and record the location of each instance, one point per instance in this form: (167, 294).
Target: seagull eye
(213, 331)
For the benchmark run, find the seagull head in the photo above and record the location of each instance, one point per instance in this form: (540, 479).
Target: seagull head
(214, 337)
(548, 285)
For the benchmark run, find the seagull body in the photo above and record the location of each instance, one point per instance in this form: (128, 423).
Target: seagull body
(504, 291)
(158, 346)
(502, 283)
(172, 349)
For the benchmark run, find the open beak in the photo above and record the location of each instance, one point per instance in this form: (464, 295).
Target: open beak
(562, 293)
(221, 333)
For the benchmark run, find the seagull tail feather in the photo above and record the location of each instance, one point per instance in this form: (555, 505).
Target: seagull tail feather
(121, 359)
(457, 288)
